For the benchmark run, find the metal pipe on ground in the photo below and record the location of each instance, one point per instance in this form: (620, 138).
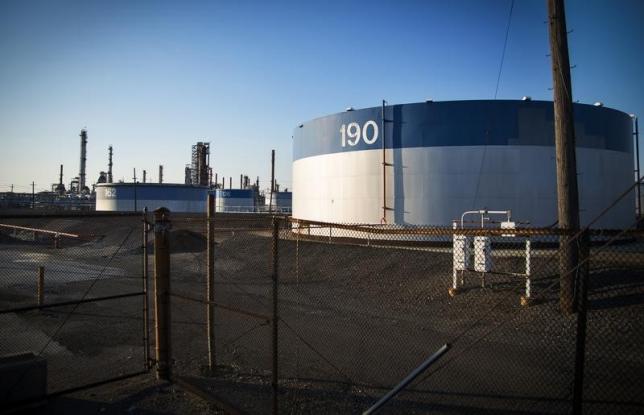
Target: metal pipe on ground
(405, 382)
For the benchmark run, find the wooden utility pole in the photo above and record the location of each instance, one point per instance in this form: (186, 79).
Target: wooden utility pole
(567, 196)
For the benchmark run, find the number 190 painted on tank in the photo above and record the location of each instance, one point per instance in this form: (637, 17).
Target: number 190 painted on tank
(352, 133)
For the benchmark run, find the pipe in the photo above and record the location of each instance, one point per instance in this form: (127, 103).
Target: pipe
(637, 155)
(384, 167)
(405, 382)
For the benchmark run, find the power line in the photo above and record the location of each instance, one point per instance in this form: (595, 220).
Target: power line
(505, 45)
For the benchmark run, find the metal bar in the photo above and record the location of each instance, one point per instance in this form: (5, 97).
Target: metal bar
(162, 291)
(146, 306)
(207, 396)
(637, 154)
(582, 308)
(95, 384)
(71, 302)
(210, 283)
(275, 368)
(413, 375)
(224, 307)
(24, 228)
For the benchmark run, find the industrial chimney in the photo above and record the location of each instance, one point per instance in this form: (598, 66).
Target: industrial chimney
(109, 166)
(60, 188)
(160, 173)
(83, 160)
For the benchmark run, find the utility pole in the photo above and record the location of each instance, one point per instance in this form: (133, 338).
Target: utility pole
(270, 200)
(567, 195)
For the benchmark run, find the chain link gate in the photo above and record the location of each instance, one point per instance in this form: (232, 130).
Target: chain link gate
(73, 293)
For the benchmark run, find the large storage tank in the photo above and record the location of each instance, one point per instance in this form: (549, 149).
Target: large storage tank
(128, 197)
(444, 158)
(282, 201)
(235, 200)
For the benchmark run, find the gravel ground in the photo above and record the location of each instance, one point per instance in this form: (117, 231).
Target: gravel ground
(354, 321)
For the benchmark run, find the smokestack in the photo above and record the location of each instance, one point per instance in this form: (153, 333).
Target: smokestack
(83, 160)
(241, 181)
(60, 180)
(144, 175)
(216, 180)
(109, 165)
(230, 182)
(160, 173)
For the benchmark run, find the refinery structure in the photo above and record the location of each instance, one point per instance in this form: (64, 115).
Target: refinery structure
(420, 164)
(190, 197)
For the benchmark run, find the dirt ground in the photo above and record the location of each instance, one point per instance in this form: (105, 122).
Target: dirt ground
(354, 320)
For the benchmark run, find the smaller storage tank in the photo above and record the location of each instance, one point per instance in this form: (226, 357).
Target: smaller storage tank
(130, 197)
(282, 201)
(235, 200)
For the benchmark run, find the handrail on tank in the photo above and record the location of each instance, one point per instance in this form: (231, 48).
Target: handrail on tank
(484, 212)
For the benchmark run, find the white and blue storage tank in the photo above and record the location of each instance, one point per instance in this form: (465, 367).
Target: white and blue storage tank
(129, 197)
(235, 200)
(445, 158)
(282, 202)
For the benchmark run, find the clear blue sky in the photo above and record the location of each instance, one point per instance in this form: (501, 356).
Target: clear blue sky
(152, 78)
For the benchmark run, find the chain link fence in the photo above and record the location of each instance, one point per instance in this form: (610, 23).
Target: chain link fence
(360, 307)
(71, 292)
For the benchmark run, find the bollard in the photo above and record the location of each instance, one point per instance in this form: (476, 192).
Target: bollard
(40, 290)
(210, 284)
(162, 291)
(275, 277)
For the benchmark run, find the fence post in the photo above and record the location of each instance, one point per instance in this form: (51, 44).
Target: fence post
(210, 285)
(583, 247)
(162, 291)
(275, 277)
(568, 262)
(40, 290)
(146, 305)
